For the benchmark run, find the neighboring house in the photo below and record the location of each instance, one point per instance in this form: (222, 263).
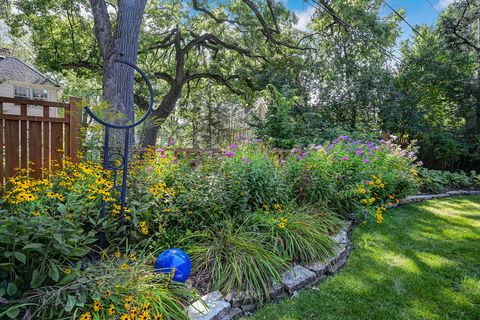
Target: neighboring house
(20, 80)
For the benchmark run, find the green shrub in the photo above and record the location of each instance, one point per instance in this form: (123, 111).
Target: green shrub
(120, 285)
(436, 181)
(37, 248)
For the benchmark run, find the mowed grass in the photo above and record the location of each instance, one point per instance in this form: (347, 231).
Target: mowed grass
(423, 262)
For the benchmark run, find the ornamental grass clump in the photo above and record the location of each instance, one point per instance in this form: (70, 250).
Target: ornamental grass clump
(236, 257)
(298, 235)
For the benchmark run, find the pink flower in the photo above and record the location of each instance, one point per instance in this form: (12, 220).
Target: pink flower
(229, 154)
(233, 146)
(344, 158)
(366, 160)
(149, 169)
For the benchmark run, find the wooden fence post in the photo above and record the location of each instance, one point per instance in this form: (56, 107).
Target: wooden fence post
(75, 114)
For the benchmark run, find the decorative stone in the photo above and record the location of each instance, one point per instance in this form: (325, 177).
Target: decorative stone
(249, 308)
(298, 277)
(239, 299)
(234, 313)
(214, 307)
(337, 264)
(341, 254)
(276, 292)
(341, 237)
(317, 267)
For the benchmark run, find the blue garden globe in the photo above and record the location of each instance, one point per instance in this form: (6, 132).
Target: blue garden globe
(174, 259)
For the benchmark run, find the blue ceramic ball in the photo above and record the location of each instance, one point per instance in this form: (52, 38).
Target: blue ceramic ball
(174, 259)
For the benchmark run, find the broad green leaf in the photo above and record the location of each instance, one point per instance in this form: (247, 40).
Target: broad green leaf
(33, 246)
(53, 272)
(37, 279)
(70, 303)
(13, 313)
(11, 289)
(20, 257)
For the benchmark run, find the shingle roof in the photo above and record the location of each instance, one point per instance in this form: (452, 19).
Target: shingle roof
(14, 69)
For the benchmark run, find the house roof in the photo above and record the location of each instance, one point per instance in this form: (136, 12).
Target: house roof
(14, 69)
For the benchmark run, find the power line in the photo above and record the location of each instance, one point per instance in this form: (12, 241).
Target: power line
(433, 7)
(405, 20)
(348, 26)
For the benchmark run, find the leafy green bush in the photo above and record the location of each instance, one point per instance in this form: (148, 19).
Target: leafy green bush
(121, 286)
(436, 181)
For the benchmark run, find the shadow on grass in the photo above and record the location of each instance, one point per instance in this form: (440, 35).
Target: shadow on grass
(422, 263)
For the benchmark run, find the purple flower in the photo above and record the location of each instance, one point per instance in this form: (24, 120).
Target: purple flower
(366, 160)
(171, 141)
(175, 161)
(259, 140)
(149, 169)
(240, 137)
(367, 182)
(229, 154)
(233, 146)
(344, 158)
(160, 151)
(359, 152)
(300, 157)
(344, 138)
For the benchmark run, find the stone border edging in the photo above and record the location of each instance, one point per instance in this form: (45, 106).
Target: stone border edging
(425, 197)
(215, 306)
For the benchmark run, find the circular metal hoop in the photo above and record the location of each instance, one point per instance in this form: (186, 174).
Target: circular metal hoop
(145, 116)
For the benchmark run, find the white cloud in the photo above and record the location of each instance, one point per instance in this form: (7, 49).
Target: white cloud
(304, 17)
(442, 4)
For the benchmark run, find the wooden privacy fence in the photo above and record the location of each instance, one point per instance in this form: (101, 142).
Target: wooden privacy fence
(35, 132)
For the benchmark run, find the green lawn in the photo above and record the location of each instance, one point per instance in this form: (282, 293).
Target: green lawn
(423, 262)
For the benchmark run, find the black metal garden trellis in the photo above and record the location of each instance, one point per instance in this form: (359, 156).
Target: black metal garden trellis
(108, 164)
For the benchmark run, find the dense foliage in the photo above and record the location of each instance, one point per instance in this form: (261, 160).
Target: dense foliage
(248, 203)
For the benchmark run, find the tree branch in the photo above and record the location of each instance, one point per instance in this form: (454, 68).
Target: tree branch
(102, 27)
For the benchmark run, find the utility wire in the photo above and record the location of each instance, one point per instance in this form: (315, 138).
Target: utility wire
(349, 27)
(405, 20)
(433, 7)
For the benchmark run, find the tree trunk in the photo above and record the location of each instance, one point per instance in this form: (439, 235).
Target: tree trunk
(119, 45)
(150, 133)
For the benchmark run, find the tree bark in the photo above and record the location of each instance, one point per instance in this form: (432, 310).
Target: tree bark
(121, 44)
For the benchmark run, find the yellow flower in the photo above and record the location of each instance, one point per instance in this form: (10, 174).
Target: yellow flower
(117, 254)
(382, 185)
(111, 310)
(124, 266)
(144, 316)
(379, 217)
(129, 298)
(158, 317)
(361, 190)
(86, 316)
(67, 271)
(133, 256)
(146, 305)
(125, 317)
(144, 227)
(97, 305)
(281, 225)
(134, 311)
(36, 213)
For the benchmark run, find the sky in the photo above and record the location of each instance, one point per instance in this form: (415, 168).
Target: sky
(417, 12)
